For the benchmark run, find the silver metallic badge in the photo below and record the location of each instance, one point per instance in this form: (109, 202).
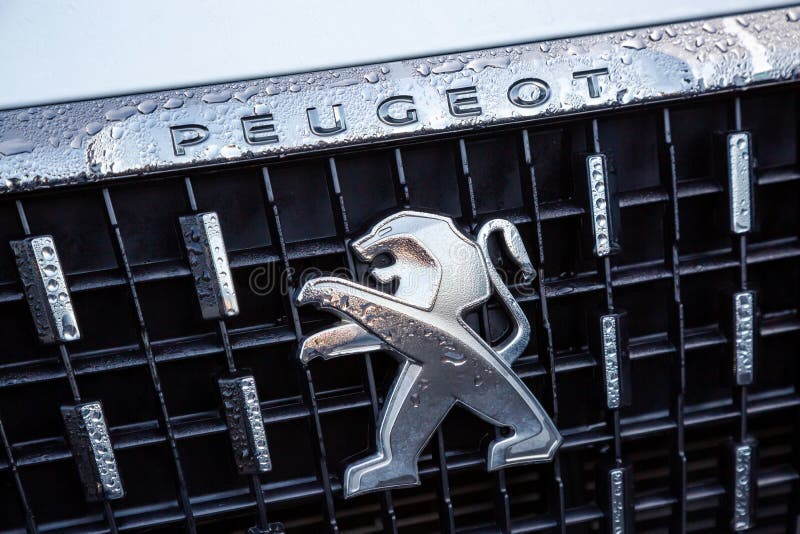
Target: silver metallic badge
(440, 274)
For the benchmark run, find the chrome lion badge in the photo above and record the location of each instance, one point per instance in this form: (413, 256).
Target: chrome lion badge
(439, 274)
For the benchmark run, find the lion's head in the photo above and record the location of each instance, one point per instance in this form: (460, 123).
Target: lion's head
(424, 246)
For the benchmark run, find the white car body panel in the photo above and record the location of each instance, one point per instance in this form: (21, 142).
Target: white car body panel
(64, 51)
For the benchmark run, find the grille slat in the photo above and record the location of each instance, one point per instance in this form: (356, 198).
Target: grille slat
(501, 499)
(677, 332)
(256, 489)
(66, 364)
(388, 515)
(305, 378)
(164, 420)
(545, 332)
(30, 521)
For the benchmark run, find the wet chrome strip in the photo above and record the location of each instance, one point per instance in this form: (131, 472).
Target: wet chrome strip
(273, 117)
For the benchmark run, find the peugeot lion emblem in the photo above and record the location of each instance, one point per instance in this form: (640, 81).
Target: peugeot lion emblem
(439, 274)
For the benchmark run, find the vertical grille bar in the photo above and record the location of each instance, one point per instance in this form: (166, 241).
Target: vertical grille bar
(676, 334)
(447, 519)
(740, 247)
(401, 188)
(144, 339)
(446, 513)
(544, 328)
(468, 207)
(502, 503)
(793, 515)
(254, 480)
(30, 521)
(743, 464)
(66, 362)
(389, 518)
(307, 384)
(604, 267)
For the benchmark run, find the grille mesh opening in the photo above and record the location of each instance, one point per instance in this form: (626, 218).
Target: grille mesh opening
(446, 175)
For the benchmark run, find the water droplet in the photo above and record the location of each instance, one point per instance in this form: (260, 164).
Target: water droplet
(216, 98)
(120, 114)
(50, 269)
(246, 94)
(146, 106)
(371, 77)
(634, 44)
(15, 146)
(173, 103)
(93, 127)
(656, 35)
(48, 253)
(448, 67)
(52, 284)
(454, 358)
(70, 332)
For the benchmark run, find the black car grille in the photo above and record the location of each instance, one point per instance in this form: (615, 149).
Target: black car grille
(677, 257)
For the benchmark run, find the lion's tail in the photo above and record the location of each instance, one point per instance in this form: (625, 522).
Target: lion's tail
(510, 349)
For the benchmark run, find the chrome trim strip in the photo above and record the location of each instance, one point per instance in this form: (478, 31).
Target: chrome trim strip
(744, 337)
(597, 172)
(208, 259)
(617, 480)
(88, 435)
(245, 424)
(742, 488)
(611, 356)
(46, 290)
(94, 140)
(740, 182)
